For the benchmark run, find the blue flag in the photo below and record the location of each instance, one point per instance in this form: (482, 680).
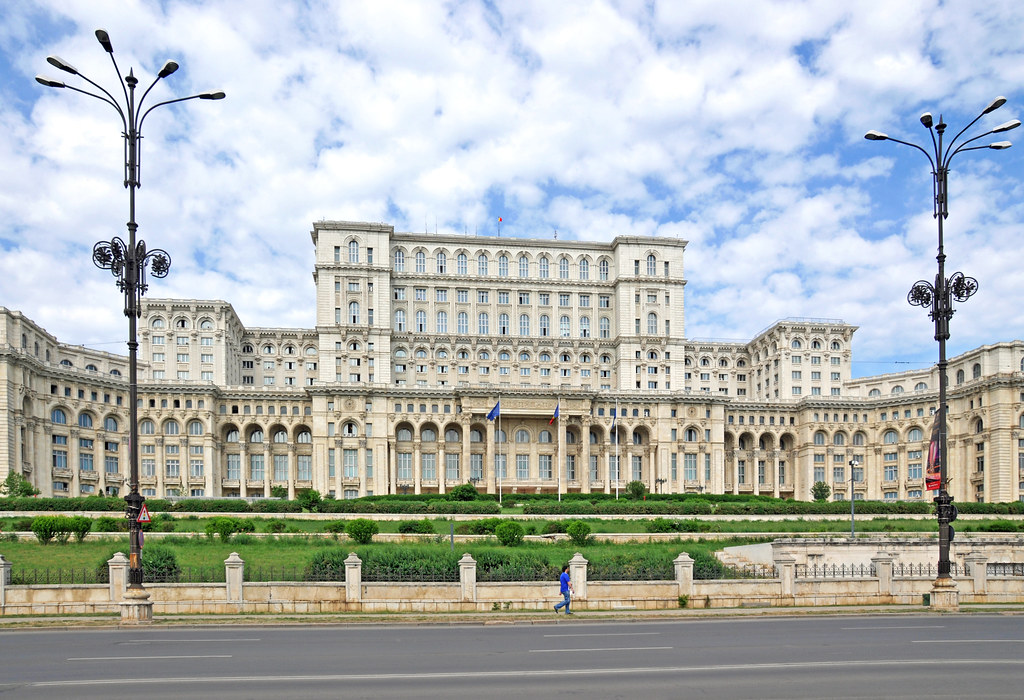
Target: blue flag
(495, 412)
(554, 417)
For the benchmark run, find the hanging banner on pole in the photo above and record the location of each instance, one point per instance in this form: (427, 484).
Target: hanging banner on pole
(933, 473)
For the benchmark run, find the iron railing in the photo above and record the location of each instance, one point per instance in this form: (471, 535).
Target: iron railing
(929, 570)
(835, 571)
(1005, 569)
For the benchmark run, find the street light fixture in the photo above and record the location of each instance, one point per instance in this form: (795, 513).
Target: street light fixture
(128, 263)
(939, 297)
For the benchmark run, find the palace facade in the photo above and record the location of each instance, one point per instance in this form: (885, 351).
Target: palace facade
(418, 337)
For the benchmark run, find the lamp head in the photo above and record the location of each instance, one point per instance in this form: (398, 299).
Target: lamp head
(168, 68)
(995, 104)
(49, 82)
(875, 136)
(58, 62)
(926, 120)
(104, 39)
(219, 95)
(1000, 145)
(1012, 124)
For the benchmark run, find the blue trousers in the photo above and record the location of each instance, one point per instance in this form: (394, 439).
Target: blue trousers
(564, 603)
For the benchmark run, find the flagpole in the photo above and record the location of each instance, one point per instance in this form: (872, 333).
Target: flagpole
(618, 465)
(558, 452)
(498, 439)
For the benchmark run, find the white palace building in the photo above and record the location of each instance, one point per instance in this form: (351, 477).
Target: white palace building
(418, 336)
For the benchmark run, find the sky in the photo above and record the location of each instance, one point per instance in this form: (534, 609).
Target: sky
(736, 126)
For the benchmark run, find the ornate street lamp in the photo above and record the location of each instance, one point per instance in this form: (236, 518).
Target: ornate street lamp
(128, 262)
(938, 297)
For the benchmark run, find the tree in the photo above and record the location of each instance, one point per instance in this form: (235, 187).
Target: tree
(17, 486)
(820, 491)
(509, 533)
(579, 532)
(309, 500)
(636, 490)
(463, 492)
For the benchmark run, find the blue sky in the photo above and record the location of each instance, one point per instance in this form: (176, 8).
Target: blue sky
(737, 126)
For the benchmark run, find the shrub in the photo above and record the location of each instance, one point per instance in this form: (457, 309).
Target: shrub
(555, 526)
(820, 491)
(159, 563)
(463, 492)
(80, 526)
(416, 527)
(579, 532)
(362, 530)
(45, 528)
(225, 527)
(661, 525)
(309, 500)
(509, 533)
(335, 526)
(326, 565)
(636, 490)
(275, 525)
(108, 523)
(279, 492)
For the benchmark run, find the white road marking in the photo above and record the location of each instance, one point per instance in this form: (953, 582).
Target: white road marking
(548, 651)
(172, 641)
(146, 658)
(477, 675)
(610, 634)
(967, 641)
(898, 627)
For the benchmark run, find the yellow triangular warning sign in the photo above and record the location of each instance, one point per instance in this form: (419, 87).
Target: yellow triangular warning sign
(143, 514)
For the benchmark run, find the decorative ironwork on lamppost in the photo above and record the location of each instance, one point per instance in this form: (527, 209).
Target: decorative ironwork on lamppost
(128, 260)
(938, 297)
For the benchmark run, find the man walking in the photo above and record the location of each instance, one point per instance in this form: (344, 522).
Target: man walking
(566, 587)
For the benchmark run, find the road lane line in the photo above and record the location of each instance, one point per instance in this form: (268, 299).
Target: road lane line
(519, 673)
(599, 634)
(155, 641)
(547, 651)
(899, 627)
(147, 658)
(966, 641)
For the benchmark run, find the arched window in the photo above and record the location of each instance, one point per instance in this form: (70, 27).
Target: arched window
(502, 266)
(442, 263)
(585, 327)
(652, 323)
(354, 346)
(544, 437)
(452, 435)
(462, 264)
(147, 427)
(815, 345)
(503, 324)
(442, 322)
(564, 327)
(157, 323)
(570, 437)
(896, 389)
(602, 270)
(690, 435)
(890, 437)
(652, 265)
(404, 435)
(206, 325)
(563, 268)
(195, 428)
(524, 266)
(58, 416)
(171, 427)
(976, 371)
(349, 430)
(483, 324)
(91, 368)
(280, 436)
(304, 437)
(428, 435)
(858, 439)
(543, 267)
(584, 269)
(723, 362)
(84, 420)
(400, 320)
(110, 424)
(819, 438)
(463, 323)
(915, 435)
(247, 348)
(839, 439)
(522, 436)
(979, 427)
(875, 392)
(959, 376)
(268, 349)
(353, 251)
(421, 261)
(399, 261)
(545, 325)
(232, 436)
(524, 324)
(604, 326)
(796, 344)
(835, 345)
(115, 372)
(481, 264)
(421, 321)
(920, 386)
(353, 312)
(524, 356)
(256, 436)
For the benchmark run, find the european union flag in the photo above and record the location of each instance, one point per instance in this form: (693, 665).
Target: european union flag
(495, 412)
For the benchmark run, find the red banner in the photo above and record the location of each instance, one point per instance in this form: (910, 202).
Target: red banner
(933, 474)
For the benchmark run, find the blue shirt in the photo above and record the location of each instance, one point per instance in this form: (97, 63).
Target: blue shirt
(564, 580)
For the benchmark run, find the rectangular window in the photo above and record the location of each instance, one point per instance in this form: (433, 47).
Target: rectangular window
(638, 463)
(256, 467)
(476, 467)
(350, 464)
(690, 467)
(544, 466)
(429, 466)
(405, 466)
(451, 466)
(195, 468)
(522, 467)
(234, 467)
(501, 466)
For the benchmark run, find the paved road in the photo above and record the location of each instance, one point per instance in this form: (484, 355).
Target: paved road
(919, 656)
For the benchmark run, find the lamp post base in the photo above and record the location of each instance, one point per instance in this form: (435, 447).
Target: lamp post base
(136, 608)
(944, 596)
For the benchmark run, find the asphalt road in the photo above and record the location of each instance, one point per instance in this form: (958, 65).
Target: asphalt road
(885, 656)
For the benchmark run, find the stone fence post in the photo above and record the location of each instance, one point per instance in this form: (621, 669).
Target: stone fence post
(234, 569)
(5, 579)
(883, 570)
(467, 577)
(578, 576)
(353, 578)
(785, 564)
(978, 564)
(684, 573)
(117, 567)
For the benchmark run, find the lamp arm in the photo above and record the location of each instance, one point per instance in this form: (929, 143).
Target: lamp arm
(963, 146)
(109, 99)
(161, 104)
(914, 145)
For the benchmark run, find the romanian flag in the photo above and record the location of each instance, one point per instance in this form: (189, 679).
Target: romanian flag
(933, 472)
(495, 412)
(554, 417)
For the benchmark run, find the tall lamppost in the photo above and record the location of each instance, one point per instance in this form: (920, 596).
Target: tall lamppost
(128, 262)
(938, 297)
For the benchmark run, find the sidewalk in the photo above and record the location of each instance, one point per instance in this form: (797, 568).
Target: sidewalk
(524, 617)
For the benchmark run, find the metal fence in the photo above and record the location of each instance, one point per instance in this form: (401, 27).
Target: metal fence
(37, 577)
(717, 572)
(272, 574)
(187, 574)
(511, 573)
(835, 570)
(1005, 569)
(373, 575)
(929, 570)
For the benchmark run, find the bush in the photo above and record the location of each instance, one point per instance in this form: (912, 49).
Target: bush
(661, 525)
(80, 526)
(326, 565)
(108, 523)
(636, 490)
(159, 563)
(416, 527)
(279, 492)
(309, 500)
(225, 527)
(579, 532)
(820, 491)
(509, 533)
(47, 528)
(362, 530)
(275, 525)
(463, 492)
(335, 526)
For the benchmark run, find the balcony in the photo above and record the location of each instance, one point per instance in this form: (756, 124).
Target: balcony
(88, 475)
(229, 483)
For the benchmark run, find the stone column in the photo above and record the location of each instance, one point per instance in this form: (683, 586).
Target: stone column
(583, 468)
(978, 564)
(883, 570)
(490, 474)
(467, 577)
(268, 467)
(786, 566)
(234, 568)
(117, 567)
(683, 565)
(578, 576)
(243, 465)
(5, 579)
(353, 578)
